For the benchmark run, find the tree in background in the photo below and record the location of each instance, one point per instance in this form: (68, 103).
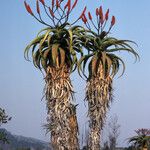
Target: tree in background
(106, 146)
(3, 120)
(114, 132)
(130, 148)
(142, 140)
(103, 64)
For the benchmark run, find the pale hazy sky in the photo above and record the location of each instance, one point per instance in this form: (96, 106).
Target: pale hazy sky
(21, 85)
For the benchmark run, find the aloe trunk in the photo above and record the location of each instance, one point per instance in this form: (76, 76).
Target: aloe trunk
(99, 96)
(62, 121)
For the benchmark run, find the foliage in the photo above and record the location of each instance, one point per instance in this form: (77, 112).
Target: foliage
(58, 44)
(142, 139)
(3, 120)
(113, 134)
(61, 40)
(3, 117)
(101, 47)
(130, 148)
(56, 47)
(3, 137)
(23, 149)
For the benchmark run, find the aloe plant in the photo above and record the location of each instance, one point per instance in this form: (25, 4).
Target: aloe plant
(142, 140)
(54, 52)
(103, 64)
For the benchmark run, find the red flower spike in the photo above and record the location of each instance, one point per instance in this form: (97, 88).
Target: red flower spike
(74, 4)
(42, 1)
(37, 7)
(100, 11)
(107, 14)
(68, 10)
(57, 4)
(97, 12)
(28, 8)
(51, 12)
(83, 12)
(26, 5)
(52, 3)
(101, 15)
(89, 14)
(113, 20)
(66, 6)
(69, 6)
(84, 19)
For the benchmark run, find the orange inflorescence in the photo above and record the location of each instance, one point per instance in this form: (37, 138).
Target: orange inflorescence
(42, 1)
(101, 15)
(90, 16)
(37, 7)
(107, 14)
(84, 19)
(28, 8)
(113, 20)
(57, 4)
(74, 4)
(51, 12)
(97, 12)
(83, 12)
(52, 3)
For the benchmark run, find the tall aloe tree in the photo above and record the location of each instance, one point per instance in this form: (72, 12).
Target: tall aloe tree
(103, 65)
(54, 51)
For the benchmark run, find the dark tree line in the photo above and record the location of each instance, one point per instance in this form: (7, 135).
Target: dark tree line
(4, 118)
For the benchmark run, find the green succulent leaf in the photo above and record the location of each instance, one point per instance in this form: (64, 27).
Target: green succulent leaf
(81, 65)
(35, 42)
(62, 56)
(56, 47)
(105, 49)
(55, 54)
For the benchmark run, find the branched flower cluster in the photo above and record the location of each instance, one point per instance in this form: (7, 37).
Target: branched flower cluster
(101, 20)
(58, 12)
(142, 139)
(145, 132)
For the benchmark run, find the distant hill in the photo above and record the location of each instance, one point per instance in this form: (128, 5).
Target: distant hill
(17, 142)
(22, 143)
